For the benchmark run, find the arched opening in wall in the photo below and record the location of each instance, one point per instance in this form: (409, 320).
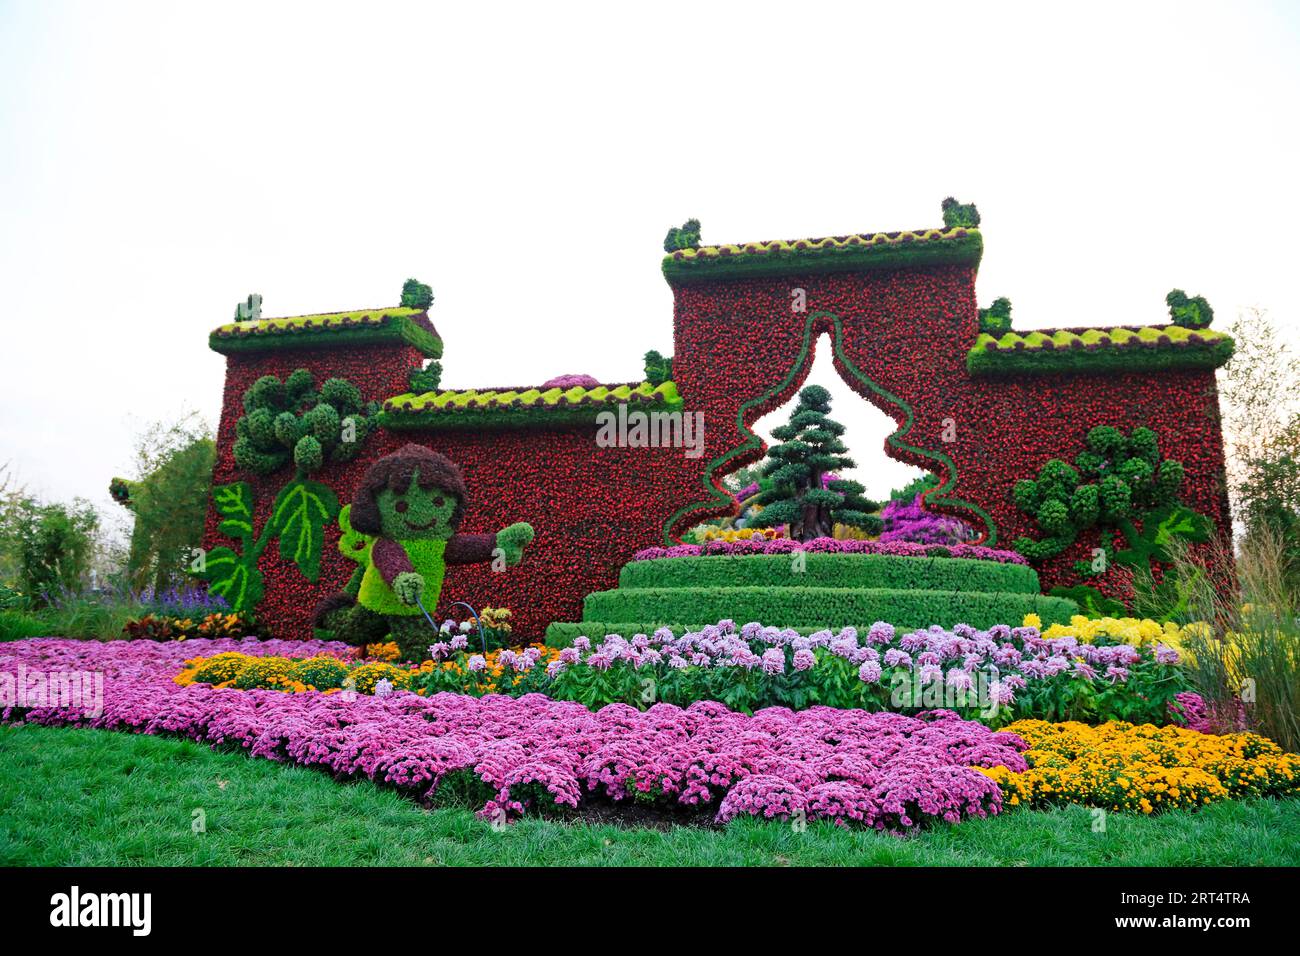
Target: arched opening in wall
(892, 489)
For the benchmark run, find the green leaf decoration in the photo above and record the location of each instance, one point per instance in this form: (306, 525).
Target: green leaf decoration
(1180, 521)
(234, 501)
(353, 545)
(298, 519)
(1159, 528)
(234, 578)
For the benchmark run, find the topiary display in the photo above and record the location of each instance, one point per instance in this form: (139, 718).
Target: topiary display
(416, 295)
(685, 236)
(401, 528)
(810, 448)
(958, 214)
(298, 518)
(288, 420)
(1190, 313)
(996, 319)
(426, 379)
(1119, 483)
(658, 369)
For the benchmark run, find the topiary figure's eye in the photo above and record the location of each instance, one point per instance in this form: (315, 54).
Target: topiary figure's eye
(438, 502)
(401, 507)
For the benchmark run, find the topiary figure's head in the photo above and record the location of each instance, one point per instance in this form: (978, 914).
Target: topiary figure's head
(413, 493)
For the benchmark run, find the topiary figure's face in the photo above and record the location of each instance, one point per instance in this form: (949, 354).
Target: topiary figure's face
(417, 512)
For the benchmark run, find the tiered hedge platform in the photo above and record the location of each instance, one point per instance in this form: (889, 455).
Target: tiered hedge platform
(831, 590)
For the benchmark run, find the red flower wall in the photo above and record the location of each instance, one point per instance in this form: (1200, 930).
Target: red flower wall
(593, 508)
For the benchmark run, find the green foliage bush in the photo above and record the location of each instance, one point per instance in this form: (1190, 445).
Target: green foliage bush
(1190, 313)
(996, 319)
(169, 502)
(1118, 482)
(685, 236)
(958, 214)
(416, 295)
(658, 369)
(51, 545)
(19, 625)
(288, 421)
(427, 379)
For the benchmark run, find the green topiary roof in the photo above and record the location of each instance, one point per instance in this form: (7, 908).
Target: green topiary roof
(329, 330)
(1121, 348)
(881, 250)
(521, 406)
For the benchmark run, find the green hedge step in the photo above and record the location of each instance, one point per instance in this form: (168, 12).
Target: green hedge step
(831, 571)
(825, 607)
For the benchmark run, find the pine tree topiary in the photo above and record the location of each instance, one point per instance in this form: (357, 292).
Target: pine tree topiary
(797, 497)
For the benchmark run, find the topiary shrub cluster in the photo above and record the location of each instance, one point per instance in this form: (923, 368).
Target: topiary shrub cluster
(960, 214)
(1190, 313)
(1118, 482)
(426, 379)
(658, 368)
(996, 319)
(685, 236)
(416, 295)
(289, 420)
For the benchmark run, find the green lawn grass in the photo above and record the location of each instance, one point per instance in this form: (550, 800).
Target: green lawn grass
(73, 797)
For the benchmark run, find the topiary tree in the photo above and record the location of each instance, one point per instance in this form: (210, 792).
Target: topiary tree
(1118, 483)
(685, 236)
(426, 379)
(416, 295)
(798, 496)
(658, 369)
(959, 214)
(288, 420)
(1190, 313)
(996, 319)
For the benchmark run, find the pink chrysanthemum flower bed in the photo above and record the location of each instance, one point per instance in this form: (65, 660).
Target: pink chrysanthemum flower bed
(882, 770)
(901, 549)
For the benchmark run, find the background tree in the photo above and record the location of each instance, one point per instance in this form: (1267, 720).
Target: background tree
(1261, 432)
(51, 546)
(798, 497)
(169, 500)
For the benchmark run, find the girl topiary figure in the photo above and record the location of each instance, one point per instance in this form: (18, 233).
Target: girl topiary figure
(411, 502)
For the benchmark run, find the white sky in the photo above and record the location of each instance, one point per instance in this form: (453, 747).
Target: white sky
(159, 162)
